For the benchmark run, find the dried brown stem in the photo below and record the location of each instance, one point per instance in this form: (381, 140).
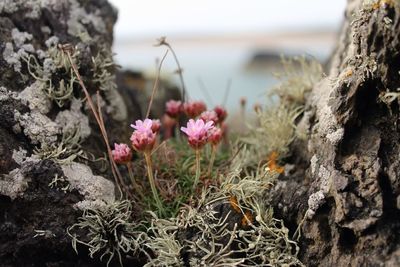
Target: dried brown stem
(162, 41)
(156, 82)
(99, 119)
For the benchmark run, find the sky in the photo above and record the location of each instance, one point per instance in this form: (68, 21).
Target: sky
(149, 18)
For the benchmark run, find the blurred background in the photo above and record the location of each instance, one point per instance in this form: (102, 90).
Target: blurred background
(224, 43)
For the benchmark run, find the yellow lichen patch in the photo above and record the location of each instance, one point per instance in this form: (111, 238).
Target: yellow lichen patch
(248, 218)
(382, 3)
(234, 203)
(348, 73)
(272, 165)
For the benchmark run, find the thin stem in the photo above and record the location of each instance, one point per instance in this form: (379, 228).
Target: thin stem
(198, 171)
(130, 171)
(99, 120)
(147, 156)
(211, 164)
(179, 69)
(135, 185)
(114, 168)
(177, 130)
(155, 85)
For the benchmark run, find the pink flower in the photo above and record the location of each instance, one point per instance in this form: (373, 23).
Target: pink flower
(143, 126)
(168, 124)
(155, 127)
(143, 138)
(198, 132)
(194, 108)
(216, 135)
(122, 154)
(209, 116)
(221, 113)
(173, 108)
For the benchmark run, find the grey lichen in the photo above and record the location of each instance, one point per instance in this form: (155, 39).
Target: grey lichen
(11, 57)
(34, 97)
(315, 201)
(79, 19)
(93, 187)
(73, 119)
(8, 6)
(19, 39)
(64, 151)
(38, 127)
(215, 238)
(110, 231)
(318, 198)
(103, 75)
(275, 132)
(298, 77)
(15, 182)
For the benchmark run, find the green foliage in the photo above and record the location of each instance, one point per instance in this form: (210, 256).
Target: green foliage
(176, 172)
(109, 231)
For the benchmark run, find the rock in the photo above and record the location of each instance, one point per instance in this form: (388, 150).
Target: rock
(351, 180)
(42, 195)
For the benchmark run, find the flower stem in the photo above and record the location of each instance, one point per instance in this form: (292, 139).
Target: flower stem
(129, 166)
(211, 164)
(198, 171)
(147, 156)
(136, 187)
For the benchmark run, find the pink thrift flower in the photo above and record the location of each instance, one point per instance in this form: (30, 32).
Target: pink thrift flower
(221, 113)
(168, 124)
(143, 138)
(155, 127)
(198, 132)
(194, 108)
(209, 116)
(216, 135)
(122, 154)
(143, 126)
(173, 108)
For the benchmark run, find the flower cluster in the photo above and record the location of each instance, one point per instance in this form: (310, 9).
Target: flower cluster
(144, 136)
(194, 108)
(173, 108)
(216, 135)
(221, 113)
(209, 116)
(122, 154)
(198, 132)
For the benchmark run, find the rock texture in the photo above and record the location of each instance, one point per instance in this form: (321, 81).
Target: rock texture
(44, 128)
(347, 181)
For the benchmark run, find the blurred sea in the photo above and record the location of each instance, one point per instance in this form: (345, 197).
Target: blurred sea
(216, 61)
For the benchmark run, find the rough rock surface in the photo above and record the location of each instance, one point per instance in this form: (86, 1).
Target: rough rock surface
(41, 114)
(347, 181)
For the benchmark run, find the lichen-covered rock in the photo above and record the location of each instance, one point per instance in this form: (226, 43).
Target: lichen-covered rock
(352, 181)
(41, 114)
(94, 188)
